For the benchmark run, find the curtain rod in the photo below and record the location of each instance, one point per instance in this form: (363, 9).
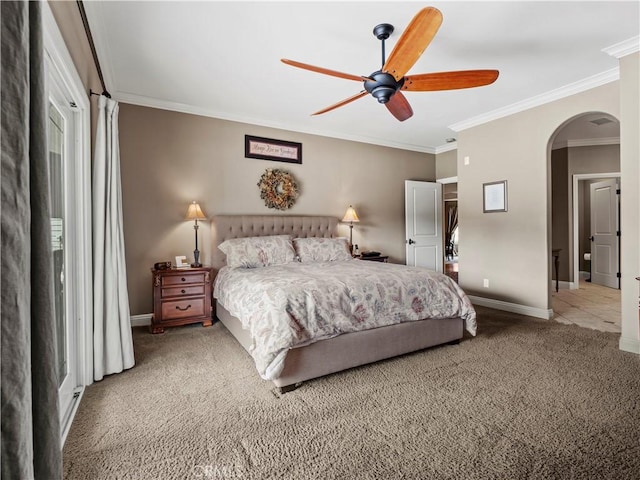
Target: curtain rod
(87, 30)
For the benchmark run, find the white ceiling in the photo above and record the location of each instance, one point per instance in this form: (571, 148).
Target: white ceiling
(222, 59)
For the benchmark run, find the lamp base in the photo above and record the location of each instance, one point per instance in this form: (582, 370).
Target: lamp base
(351, 239)
(196, 259)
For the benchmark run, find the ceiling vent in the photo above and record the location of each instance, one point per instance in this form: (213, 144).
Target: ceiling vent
(600, 121)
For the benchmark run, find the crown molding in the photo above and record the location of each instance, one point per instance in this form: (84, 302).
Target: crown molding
(447, 147)
(204, 112)
(551, 96)
(624, 48)
(586, 142)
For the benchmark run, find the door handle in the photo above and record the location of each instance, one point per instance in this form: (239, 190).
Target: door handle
(591, 238)
(411, 242)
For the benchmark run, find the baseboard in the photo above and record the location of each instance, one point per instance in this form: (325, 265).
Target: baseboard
(512, 307)
(629, 345)
(141, 320)
(563, 285)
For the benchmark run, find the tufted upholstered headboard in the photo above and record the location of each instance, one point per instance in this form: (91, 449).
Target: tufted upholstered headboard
(224, 227)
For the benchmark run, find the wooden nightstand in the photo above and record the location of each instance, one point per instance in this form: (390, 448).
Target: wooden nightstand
(180, 297)
(377, 258)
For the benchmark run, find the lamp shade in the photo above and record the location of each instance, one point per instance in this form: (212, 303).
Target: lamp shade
(351, 215)
(195, 212)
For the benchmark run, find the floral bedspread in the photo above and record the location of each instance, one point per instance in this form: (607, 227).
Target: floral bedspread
(291, 305)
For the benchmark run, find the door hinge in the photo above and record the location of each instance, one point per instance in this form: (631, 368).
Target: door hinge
(618, 233)
(618, 275)
(618, 191)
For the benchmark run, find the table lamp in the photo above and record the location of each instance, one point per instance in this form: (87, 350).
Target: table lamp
(195, 213)
(350, 216)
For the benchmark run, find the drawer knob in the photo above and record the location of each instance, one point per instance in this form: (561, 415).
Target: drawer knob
(183, 291)
(183, 309)
(184, 279)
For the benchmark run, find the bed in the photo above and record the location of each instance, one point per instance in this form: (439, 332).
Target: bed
(336, 349)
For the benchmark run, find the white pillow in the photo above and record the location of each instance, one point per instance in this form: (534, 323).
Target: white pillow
(314, 249)
(253, 252)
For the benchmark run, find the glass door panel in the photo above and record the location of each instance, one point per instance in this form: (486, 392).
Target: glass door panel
(60, 140)
(56, 189)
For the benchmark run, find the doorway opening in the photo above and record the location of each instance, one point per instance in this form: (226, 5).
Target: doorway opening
(450, 225)
(596, 224)
(451, 237)
(585, 150)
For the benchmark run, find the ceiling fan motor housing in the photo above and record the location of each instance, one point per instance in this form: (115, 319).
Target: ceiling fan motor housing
(382, 86)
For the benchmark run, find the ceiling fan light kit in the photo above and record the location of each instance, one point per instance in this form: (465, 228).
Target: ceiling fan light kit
(385, 85)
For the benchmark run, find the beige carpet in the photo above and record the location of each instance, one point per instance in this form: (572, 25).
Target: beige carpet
(525, 399)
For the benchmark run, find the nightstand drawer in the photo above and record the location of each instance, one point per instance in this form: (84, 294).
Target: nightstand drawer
(191, 307)
(170, 280)
(183, 290)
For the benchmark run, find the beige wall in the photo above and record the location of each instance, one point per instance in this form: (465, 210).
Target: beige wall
(630, 207)
(594, 159)
(512, 249)
(447, 164)
(169, 159)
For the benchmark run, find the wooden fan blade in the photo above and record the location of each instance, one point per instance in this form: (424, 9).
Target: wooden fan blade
(413, 42)
(429, 82)
(399, 106)
(343, 102)
(326, 71)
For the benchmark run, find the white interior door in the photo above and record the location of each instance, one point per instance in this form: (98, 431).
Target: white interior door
(423, 223)
(604, 236)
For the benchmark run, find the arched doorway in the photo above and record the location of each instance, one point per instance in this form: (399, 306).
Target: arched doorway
(583, 150)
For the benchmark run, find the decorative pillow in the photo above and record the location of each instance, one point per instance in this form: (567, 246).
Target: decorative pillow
(322, 249)
(253, 252)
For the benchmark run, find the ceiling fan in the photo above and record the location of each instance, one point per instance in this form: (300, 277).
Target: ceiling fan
(386, 84)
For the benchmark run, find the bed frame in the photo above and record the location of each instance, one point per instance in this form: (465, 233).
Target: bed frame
(335, 354)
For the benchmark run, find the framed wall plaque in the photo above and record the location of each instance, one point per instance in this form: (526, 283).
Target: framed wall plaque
(270, 149)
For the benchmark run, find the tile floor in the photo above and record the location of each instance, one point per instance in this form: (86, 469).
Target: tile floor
(590, 306)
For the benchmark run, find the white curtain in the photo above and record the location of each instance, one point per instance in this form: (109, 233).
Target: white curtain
(112, 342)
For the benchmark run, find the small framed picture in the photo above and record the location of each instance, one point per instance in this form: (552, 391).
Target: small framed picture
(181, 262)
(494, 196)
